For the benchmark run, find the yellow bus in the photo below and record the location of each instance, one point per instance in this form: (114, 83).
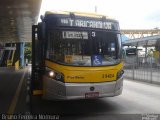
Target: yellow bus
(76, 56)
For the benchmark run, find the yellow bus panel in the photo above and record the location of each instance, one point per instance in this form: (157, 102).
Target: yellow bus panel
(74, 74)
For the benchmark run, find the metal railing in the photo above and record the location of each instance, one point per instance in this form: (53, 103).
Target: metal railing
(144, 69)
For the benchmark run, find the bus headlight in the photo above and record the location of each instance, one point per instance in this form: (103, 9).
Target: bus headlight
(51, 74)
(55, 75)
(120, 73)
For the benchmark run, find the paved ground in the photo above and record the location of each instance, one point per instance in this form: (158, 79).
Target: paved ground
(9, 80)
(138, 98)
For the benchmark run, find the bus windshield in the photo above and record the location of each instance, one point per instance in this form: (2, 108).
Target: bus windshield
(84, 48)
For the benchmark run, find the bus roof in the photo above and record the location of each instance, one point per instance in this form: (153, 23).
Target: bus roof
(83, 14)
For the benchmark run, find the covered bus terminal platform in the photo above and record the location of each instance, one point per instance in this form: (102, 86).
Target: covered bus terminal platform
(138, 98)
(145, 64)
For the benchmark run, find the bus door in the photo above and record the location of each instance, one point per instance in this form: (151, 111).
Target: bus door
(37, 56)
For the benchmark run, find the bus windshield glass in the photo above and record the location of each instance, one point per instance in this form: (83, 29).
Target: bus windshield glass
(84, 48)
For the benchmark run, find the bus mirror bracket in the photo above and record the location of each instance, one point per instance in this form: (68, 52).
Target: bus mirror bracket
(41, 30)
(42, 18)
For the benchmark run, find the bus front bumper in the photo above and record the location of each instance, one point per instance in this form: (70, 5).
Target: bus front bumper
(55, 90)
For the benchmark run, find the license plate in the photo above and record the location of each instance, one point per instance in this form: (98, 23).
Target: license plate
(92, 95)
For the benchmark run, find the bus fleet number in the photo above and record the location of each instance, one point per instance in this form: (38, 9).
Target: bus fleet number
(107, 75)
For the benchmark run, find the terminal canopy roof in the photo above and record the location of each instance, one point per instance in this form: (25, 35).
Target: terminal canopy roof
(149, 41)
(17, 18)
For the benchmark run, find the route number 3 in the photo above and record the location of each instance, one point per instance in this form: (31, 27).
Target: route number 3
(93, 34)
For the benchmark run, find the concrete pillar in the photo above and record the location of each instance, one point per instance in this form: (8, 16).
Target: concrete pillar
(19, 54)
(22, 64)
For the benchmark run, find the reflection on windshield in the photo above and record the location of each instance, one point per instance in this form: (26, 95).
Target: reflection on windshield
(78, 60)
(80, 48)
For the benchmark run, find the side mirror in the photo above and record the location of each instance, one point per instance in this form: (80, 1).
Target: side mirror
(41, 30)
(42, 17)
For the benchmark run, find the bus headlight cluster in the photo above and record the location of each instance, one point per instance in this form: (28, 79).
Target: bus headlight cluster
(120, 73)
(55, 75)
(51, 74)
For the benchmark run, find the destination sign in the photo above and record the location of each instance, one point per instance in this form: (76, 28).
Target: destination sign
(86, 23)
(74, 35)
